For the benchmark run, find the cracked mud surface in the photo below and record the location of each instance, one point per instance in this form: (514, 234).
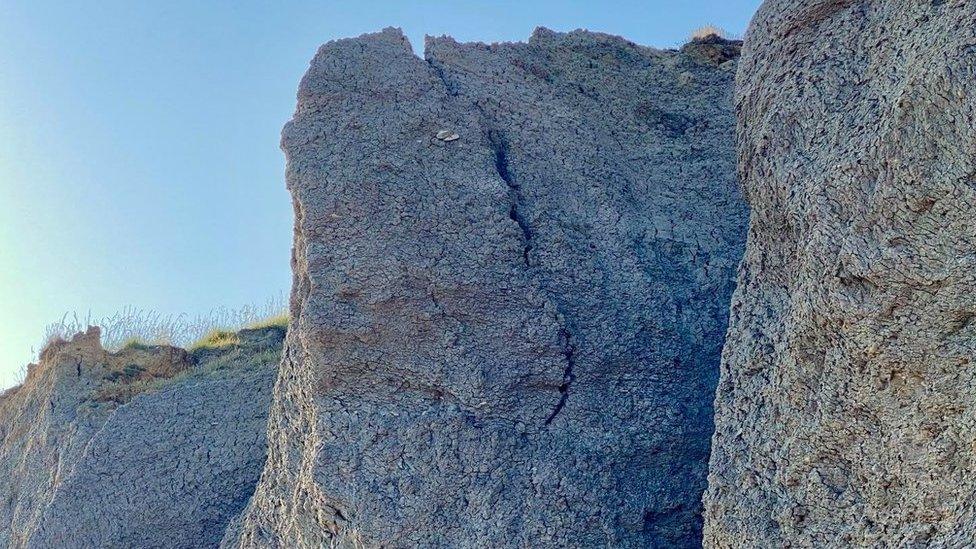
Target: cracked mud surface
(169, 466)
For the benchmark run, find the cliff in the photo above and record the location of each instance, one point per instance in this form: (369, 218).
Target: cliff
(845, 411)
(149, 446)
(512, 267)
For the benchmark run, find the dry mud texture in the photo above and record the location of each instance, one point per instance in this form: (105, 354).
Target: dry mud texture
(88, 461)
(510, 339)
(845, 409)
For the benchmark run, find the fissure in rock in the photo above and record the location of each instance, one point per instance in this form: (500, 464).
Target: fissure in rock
(500, 148)
(569, 351)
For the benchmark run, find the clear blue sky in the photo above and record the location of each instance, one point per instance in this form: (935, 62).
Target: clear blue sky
(139, 160)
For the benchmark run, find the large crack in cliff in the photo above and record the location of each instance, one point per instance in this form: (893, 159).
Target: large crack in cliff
(499, 147)
(500, 152)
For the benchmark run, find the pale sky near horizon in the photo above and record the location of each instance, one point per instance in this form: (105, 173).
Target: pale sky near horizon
(139, 159)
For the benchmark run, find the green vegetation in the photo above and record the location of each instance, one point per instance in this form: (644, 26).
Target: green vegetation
(277, 321)
(129, 373)
(221, 339)
(216, 339)
(136, 344)
(138, 330)
(146, 327)
(120, 393)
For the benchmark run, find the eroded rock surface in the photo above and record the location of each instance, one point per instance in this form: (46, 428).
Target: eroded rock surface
(46, 424)
(845, 412)
(140, 448)
(510, 338)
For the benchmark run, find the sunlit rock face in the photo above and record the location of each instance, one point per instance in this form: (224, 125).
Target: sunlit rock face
(844, 414)
(512, 271)
(144, 447)
(45, 425)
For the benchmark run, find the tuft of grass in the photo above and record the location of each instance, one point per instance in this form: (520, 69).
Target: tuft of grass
(277, 321)
(216, 339)
(708, 30)
(129, 373)
(135, 343)
(121, 392)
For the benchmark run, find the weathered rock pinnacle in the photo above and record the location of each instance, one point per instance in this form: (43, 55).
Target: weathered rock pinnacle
(512, 266)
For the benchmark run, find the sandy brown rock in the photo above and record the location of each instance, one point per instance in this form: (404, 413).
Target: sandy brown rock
(845, 412)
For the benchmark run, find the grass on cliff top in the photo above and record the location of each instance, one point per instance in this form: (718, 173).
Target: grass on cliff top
(708, 30)
(120, 393)
(221, 339)
(215, 339)
(277, 321)
(137, 328)
(136, 343)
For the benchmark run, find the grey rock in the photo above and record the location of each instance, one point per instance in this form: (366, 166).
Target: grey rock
(45, 425)
(447, 135)
(139, 448)
(169, 469)
(845, 410)
(511, 339)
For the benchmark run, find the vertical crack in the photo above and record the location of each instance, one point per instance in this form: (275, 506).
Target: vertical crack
(439, 72)
(516, 212)
(500, 148)
(569, 352)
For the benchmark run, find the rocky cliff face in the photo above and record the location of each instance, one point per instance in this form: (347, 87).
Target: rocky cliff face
(512, 266)
(845, 412)
(46, 424)
(141, 448)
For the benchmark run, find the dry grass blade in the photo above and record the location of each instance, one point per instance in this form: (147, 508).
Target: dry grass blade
(134, 326)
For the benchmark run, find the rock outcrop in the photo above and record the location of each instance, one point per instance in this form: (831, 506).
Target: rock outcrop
(46, 424)
(845, 411)
(146, 447)
(512, 268)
